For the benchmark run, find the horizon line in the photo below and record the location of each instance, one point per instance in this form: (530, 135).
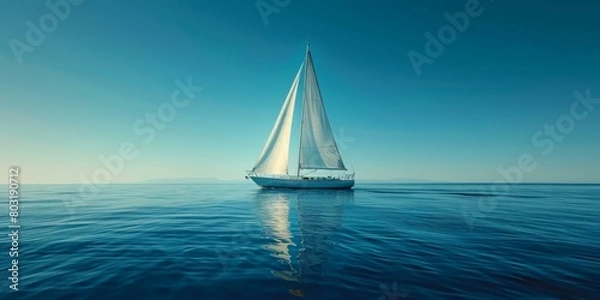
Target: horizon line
(231, 181)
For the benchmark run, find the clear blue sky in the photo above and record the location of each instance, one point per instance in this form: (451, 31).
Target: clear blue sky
(474, 109)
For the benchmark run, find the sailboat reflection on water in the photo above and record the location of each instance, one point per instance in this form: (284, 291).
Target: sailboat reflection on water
(301, 250)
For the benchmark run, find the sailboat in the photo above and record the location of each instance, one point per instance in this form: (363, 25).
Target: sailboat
(320, 165)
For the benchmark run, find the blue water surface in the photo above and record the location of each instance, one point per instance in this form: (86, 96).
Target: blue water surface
(377, 241)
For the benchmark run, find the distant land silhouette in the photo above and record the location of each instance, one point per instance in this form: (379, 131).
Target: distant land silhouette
(188, 180)
(214, 180)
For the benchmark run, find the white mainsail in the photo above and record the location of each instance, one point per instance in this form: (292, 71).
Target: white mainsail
(274, 157)
(318, 149)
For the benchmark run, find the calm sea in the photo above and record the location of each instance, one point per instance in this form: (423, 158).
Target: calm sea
(374, 242)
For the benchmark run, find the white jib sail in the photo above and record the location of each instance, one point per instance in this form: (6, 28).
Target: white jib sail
(274, 157)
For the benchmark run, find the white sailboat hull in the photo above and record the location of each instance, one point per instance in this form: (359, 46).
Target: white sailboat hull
(294, 182)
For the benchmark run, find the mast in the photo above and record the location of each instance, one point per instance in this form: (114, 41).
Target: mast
(303, 104)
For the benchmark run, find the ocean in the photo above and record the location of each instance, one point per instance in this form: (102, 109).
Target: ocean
(236, 241)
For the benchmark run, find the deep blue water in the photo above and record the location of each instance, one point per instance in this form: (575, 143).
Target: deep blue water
(374, 242)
